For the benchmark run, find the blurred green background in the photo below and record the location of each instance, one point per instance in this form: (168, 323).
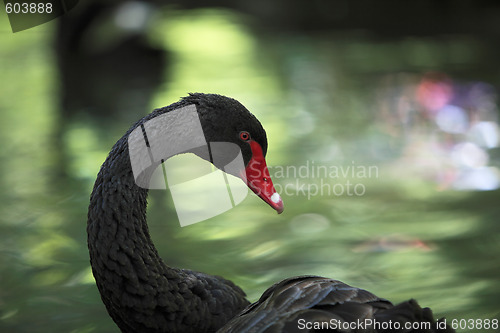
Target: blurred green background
(415, 102)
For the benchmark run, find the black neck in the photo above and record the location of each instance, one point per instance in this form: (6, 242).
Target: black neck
(142, 293)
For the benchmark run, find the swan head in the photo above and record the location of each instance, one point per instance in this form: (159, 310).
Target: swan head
(218, 129)
(225, 120)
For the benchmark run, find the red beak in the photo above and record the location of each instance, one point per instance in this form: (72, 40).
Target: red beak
(258, 180)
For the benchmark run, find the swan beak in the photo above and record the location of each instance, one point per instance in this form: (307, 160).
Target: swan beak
(257, 178)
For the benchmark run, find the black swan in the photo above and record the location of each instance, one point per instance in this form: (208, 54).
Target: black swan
(143, 294)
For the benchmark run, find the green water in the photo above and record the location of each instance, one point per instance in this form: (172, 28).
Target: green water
(400, 229)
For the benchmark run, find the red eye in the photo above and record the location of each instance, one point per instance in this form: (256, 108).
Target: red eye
(244, 136)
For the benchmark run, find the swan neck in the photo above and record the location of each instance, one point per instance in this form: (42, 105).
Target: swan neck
(142, 293)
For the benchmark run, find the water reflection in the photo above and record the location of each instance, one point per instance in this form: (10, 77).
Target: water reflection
(309, 224)
(450, 122)
(395, 242)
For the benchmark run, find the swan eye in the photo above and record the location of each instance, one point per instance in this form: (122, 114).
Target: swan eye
(245, 136)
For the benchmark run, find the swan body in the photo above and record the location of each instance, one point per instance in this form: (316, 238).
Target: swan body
(318, 304)
(143, 294)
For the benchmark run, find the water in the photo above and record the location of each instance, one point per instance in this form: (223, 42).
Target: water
(368, 169)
